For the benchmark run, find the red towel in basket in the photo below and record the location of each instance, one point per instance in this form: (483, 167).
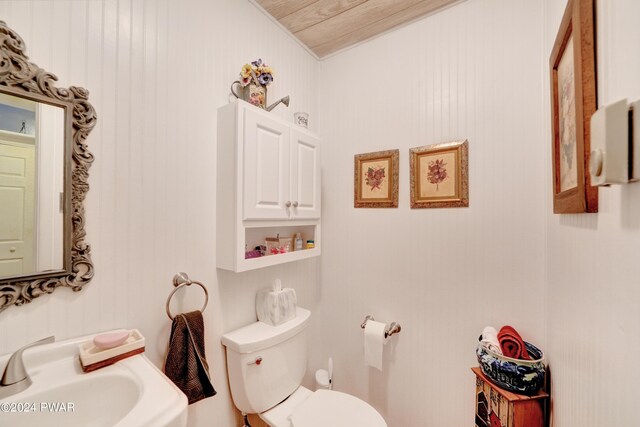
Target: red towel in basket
(512, 344)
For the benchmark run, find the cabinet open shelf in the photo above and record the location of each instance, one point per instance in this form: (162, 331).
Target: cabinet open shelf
(256, 233)
(269, 260)
(268, 185)
(251, 234)
(255, 236)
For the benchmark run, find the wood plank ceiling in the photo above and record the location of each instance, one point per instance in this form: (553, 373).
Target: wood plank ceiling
(327, 26)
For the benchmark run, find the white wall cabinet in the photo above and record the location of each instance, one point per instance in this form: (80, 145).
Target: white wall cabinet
(281, 169)
(268, 173)
(305, 175)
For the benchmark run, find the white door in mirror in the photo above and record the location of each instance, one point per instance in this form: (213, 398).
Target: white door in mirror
(17, 207)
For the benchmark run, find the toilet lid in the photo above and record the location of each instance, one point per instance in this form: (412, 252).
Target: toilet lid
(333, 408)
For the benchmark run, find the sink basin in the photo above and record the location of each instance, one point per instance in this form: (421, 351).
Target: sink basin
(129, 393)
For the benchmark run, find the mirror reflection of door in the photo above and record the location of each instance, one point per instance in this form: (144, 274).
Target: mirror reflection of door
(17, 185)
(17, 200)
(31, 185)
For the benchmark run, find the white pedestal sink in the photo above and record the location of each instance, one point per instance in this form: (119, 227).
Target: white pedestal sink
(130, 393)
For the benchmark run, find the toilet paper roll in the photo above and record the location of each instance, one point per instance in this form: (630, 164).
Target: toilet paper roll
(374, 342)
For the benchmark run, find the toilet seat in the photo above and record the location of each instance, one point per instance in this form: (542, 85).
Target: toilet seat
(333, 408)
(322, 408)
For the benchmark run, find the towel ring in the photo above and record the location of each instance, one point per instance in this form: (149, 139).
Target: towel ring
(180, 280)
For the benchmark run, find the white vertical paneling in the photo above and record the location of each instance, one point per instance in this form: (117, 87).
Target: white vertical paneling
(593, 294)
(473, 71)
(157, 71)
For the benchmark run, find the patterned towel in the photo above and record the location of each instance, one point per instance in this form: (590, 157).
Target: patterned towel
(186, 365)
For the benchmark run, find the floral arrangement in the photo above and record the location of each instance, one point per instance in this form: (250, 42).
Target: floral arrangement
(437, 172)
(375, 176)
(258, 72)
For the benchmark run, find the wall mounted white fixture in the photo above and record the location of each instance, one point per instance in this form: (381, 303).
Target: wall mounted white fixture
(635, 141)
(614, 158)
(609, 160)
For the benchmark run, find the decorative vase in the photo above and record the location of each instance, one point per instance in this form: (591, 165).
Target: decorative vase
(254, 94)
(517, 375)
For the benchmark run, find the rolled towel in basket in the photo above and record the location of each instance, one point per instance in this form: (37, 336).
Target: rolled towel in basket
(512, 344)
(489, 338)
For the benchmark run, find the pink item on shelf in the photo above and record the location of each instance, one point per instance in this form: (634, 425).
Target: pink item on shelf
(252, 254)
(110, 339)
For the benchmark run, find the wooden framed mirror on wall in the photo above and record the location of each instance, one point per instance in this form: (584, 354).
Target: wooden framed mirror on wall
(44, 171)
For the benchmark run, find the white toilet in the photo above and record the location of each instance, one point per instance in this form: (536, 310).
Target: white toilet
(266, 365)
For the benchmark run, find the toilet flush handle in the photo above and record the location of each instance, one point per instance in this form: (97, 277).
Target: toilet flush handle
(258, 361)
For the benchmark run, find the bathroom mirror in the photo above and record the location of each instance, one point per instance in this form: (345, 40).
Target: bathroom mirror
(44, 163)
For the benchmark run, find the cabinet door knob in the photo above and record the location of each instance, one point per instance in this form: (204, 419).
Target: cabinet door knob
(12, 249)
(288, 204)
(295, 204)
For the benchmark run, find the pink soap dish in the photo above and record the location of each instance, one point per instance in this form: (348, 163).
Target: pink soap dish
(93, 357)
(111, 339)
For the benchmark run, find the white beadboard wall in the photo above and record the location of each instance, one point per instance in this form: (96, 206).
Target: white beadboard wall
(157, 71)
(593, 326)
(473, 71)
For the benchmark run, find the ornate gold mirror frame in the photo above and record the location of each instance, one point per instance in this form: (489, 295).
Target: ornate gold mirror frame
(22, 78)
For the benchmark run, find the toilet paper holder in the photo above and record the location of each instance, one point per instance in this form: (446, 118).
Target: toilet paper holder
(390, 329)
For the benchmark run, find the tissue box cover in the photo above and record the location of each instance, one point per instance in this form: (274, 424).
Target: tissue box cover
(276, 307)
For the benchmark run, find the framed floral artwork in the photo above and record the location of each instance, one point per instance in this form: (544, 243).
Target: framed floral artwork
(439, 175)
(376, 179)
(573, 101)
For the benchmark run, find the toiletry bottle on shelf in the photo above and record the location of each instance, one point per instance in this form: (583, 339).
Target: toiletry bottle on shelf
(310, 244)
(298, 242)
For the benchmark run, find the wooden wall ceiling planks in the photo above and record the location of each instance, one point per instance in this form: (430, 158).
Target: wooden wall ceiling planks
(327, 26)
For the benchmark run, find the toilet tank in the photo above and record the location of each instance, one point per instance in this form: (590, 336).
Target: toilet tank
(266, 363)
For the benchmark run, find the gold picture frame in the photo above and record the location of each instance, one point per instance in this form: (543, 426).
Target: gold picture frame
(573, 102)
(439, 175)
(376, 179)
